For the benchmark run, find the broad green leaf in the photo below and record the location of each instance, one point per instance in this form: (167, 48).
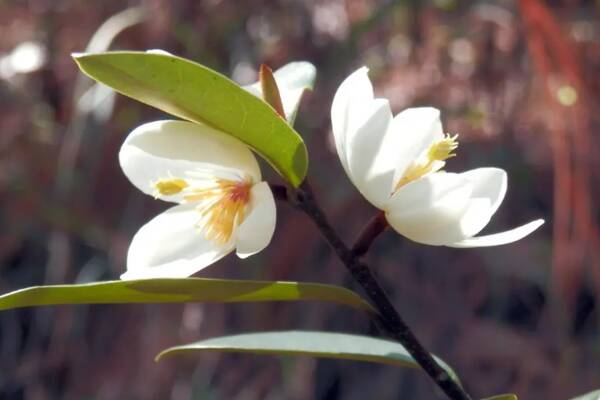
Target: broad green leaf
(191, 91)
(307, 343)
(180, 291)
(595, 395)
(506, 396)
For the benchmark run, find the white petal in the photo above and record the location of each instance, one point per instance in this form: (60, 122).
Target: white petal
(348, 108)
(475, 217)
(361, 130)
(432, 189)
(159, 52)
(488, 183)
(164, 149)
(489, 189)
(370, 161)
(292, 80)
(429, 210)
(254, 89)
(500, 238)
(170, 246)
(418, 128)
(255, 233)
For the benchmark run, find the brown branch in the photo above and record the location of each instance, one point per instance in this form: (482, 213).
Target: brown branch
(389, 318)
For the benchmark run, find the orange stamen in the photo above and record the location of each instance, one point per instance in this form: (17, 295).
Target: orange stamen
(223, 207)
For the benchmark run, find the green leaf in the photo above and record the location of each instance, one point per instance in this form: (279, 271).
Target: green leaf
(180, 291)
(307, 343)
(506, 396)
(191, 91)
(595, 395)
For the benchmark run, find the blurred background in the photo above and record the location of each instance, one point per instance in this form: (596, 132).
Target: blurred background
(518, 80)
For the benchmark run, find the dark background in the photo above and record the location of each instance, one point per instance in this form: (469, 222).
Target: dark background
(520, 318)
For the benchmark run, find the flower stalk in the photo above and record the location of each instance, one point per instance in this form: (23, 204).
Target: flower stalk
(376, 225)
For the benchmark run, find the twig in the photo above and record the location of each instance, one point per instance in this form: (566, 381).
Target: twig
(390, 320)
(370, 232)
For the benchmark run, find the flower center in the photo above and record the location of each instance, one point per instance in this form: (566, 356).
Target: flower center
(432, 160)
(221, 204)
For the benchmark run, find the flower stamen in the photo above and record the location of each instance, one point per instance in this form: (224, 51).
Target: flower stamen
(221, 204)
(443, 149)
(433, 160)
(169, 186)
(222, 207)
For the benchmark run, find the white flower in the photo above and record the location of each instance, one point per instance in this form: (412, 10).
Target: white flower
(215, 180)
(222, 203)
(396, 163)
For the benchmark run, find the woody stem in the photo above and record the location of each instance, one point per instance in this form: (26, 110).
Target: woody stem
(303, 198)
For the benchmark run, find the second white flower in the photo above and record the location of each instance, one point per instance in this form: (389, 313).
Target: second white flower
(397, 164)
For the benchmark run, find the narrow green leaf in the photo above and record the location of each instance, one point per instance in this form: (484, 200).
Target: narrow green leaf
(506, 396)
(595, 395)
(180, 291)
(307, 343)
(191, 91)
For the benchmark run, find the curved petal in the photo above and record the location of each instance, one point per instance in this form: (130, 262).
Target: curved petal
(489, 183)
(417, 129)
(369, 165)
(166, 149)
(255, 233)
(497, 239)
(430, 190)
(348, 108)
(429, 210)
(489, 189)
(171, 246)
(361, 130)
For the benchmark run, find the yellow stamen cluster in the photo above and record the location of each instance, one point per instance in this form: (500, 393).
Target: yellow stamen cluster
(170, 186)
(443, 149)
(432, 161)
(222, 205)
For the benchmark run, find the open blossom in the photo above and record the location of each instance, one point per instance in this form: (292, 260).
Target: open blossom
(222, 203)
(397, 164)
